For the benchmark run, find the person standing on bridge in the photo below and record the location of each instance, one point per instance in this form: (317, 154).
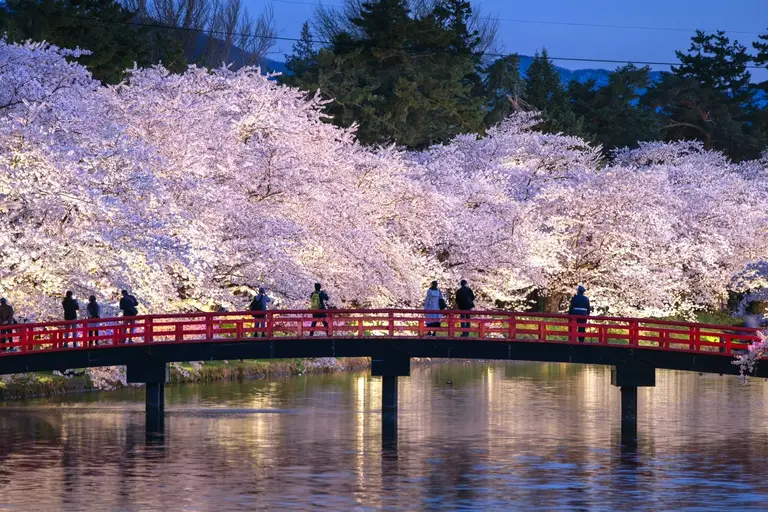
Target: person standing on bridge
(128, 305)
(580, 307)
(318, 301)
(94, 311)
(71, 307)
(6, 318)
(259, 303)
(434, 301)
(465, 301)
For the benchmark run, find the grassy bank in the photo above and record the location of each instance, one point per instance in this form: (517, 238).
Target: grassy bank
(41, 384)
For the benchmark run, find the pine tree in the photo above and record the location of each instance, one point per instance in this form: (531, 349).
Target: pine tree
(412, 80)
(101, 26)
(503, 88)
(709, 97)
(611, 113)
(543, 90)
(303, 52)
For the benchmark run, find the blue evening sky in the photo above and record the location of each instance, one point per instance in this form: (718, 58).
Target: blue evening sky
(743, 19)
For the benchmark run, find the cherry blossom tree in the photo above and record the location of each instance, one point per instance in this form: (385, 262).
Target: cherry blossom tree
(193, 189)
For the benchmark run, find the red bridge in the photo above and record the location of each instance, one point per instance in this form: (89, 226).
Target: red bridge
(390, 337)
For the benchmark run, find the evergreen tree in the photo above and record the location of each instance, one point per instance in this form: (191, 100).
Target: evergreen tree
(761, 59)
(543, 90)
(404, 79)
(709, 97)
(717, 64)
(611, 113)
(303, 52)
(503, 88)
(101, 26)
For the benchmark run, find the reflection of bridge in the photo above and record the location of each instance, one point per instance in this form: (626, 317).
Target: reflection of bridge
(145, 344)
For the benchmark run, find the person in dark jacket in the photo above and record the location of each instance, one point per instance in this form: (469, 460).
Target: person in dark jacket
(318, 300)
(465, 301)
(259, 303)
(128, 304)
(71, 307)
(94, 311)
(580, 307)
(6, 318)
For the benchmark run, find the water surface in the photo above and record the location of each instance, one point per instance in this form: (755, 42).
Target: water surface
(525, 436)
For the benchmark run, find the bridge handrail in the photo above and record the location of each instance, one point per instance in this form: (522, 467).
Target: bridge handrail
(282, 324)
(358, 311)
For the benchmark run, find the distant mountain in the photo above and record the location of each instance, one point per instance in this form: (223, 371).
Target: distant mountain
(581, 75)
(600, 76)
(271, 66)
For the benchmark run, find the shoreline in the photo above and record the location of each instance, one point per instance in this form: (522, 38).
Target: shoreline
(46, 384)
(26, 386)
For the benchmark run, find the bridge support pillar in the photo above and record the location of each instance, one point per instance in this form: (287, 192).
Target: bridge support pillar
(389, 366)
(629, 376)
(154, 374)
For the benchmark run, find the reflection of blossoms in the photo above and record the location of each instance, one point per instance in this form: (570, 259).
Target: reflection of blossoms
(748, 361)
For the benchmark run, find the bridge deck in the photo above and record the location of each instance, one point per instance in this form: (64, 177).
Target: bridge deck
(283, 333)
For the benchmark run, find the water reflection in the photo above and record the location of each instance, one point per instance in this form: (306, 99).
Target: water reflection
(524, 436)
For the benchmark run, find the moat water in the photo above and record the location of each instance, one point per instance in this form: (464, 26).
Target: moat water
(507, 436)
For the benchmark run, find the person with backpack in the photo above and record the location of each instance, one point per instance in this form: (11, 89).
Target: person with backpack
(434, 301)
(94, 311)
(71, 307)
(259, 303)
(318, 300)
(465, 301)
(6, 318)
(580, 306)
(128, 305)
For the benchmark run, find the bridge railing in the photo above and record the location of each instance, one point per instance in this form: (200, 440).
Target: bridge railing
(372, 323)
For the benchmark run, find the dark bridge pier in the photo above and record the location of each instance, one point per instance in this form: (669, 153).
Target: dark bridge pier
(154, 375)
(389, 366)
(629, 375)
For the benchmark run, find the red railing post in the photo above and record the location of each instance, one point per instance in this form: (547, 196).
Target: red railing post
(421, 328)
(148, 329)
(451, 325)
(542, 330)
(696, 342)
(329, 330)
(634, 333)
(239, 329)
(391, 319)
(481, 328)
(209, 327)
(512, 319)
(24, 338)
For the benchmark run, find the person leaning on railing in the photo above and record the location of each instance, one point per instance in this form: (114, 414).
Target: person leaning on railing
(128, 305)
(71, 307)
(318, 300)
(6, 318)
(94, 311)
(259, 303)
(465, 301)
(434, 301)
(580, 307)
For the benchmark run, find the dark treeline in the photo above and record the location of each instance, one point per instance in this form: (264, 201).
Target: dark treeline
(418, 77)
(418, 72)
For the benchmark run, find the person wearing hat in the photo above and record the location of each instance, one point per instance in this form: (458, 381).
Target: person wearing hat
(259, 303)
(6, 318)
(580, 307)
